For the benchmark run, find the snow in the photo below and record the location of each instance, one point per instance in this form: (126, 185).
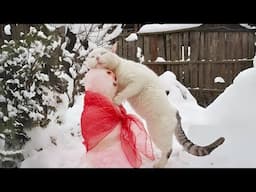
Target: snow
(72, 71)
(132, 37)
(23, 108)
(183, 100)
(153, 28)
(12, 111)
(28, 94)
(160, 59)
(58, 145)
(68, 59)
(32, 30)
(254, 61)
(50, 27)
(13, 81)
(1, 68)
(2, 141)
(35, 116)
(7, 29)
(114, 34)
(139, 55)
(75, 28)
(5, 118)
(41, 34)
(42, 77)
(10, 152)
(2, 98)
(231, 115)
(96, 34)
(55, 44)
(248, 26)
(219, 80)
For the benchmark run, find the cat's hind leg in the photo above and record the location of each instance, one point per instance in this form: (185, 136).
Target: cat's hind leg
(162, 135)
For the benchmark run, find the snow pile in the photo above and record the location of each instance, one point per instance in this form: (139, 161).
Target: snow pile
(153, 28)
(219, 80)
(178, 93)
(238, 98)
(160, 59)
(7, 29)
(231, 115)
(58, 145)
(183, 100)
(132, 37)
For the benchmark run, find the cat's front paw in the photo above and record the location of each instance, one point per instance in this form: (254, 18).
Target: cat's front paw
(118, 100)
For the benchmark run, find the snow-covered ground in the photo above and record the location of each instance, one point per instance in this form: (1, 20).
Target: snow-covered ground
(232, 115)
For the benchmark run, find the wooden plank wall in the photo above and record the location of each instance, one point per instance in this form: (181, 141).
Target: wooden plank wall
(212, 54)
(202, 84)
(213, 46)
(225, 69)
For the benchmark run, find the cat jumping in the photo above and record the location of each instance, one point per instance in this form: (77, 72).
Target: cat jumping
(141, 87)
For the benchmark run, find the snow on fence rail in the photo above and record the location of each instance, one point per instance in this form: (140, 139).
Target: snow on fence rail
(199, 76)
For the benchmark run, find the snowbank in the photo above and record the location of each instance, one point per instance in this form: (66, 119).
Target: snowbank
(58, 145)
(180, 96)
(232, 115)
(233, 112)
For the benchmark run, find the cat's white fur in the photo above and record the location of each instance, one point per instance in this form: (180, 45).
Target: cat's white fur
(141, 87)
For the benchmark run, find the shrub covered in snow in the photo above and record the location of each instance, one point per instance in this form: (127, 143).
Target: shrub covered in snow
(38, 69)
(78, 41)
(29, 84)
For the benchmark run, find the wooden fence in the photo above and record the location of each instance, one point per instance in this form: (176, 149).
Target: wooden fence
(195, 57)
(199, 77)
(194, 46)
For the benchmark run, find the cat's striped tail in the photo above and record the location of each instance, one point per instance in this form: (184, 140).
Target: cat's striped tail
(191, 147)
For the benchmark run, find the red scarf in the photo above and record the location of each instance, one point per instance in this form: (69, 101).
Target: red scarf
(100, 116)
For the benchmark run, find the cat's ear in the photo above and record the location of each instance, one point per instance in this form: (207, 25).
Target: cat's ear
(114, 48)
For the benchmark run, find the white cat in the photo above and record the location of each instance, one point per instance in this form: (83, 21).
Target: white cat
(140, 86)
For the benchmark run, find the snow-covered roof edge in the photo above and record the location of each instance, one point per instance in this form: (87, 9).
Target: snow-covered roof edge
(158, 28)
(154, 28)
(248, 26)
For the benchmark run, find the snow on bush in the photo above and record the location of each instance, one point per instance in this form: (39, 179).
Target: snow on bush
(29, 88)
(7, 29)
